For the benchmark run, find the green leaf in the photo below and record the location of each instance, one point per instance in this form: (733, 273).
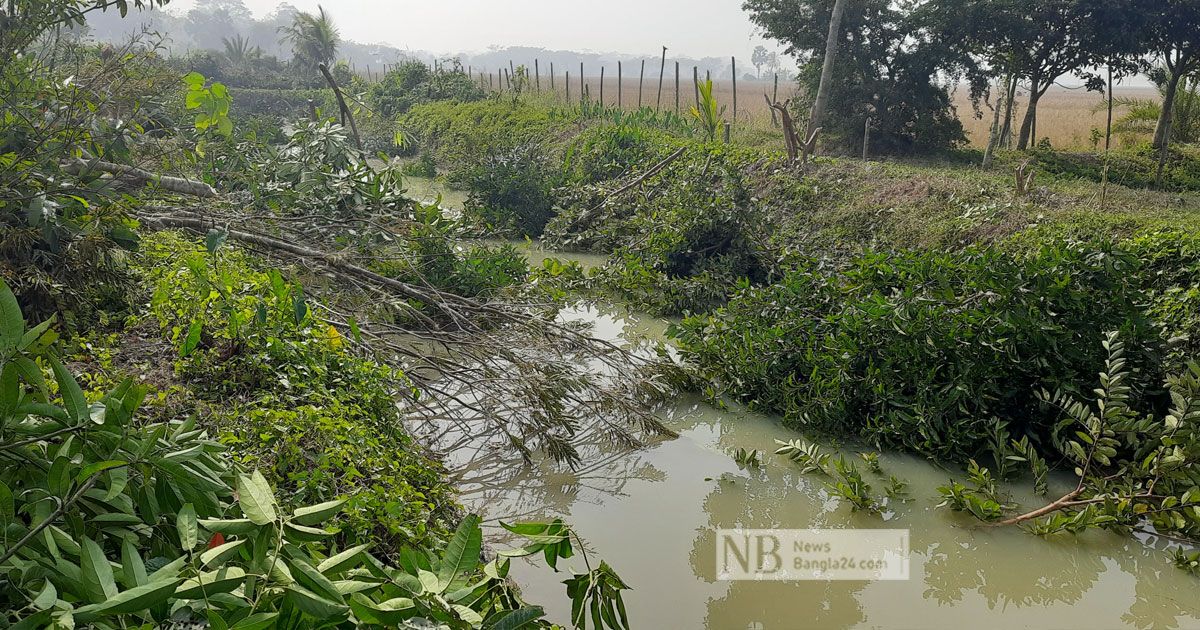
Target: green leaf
(98, 467)
(257, 621)
(45, 597)
(223, 580)
(255, 498)
(312, 604)
(462, 552)
(389, 613)
(193, 337)
(73, 400)
(133, 569)
(342, 561)
(8, 510)
(185, 522)
(214, 240)
(516, 619)
(131, 601)
(316, 514)
(12, 323)
(217, 556)
(232, 527)
(96, 573)
(310, 578)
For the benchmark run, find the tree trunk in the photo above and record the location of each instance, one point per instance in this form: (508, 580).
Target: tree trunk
(1030, 116)
(831, 42)
(1006, 132)
(1168, 107)
(994, 134)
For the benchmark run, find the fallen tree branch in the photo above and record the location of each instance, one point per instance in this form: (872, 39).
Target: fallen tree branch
(140, 177)
(586, 216)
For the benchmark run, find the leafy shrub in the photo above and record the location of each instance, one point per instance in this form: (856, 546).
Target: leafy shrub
(511, 190)
(413, 82)
(928, 351)
(683, 245)
(284, 391)
(609, 151)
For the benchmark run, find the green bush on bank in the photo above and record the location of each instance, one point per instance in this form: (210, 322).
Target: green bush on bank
(1134, 168)
(933, 352)
(283, 391)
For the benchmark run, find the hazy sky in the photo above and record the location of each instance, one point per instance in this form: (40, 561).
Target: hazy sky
(694, 28)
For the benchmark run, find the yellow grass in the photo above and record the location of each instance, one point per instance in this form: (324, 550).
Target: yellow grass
(1065, 116)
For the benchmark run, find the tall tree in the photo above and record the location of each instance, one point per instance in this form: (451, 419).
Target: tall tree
(758, 58)
(314, 38)
(1175, 39)
(831, 45)
(881, 72)
(1054, 34)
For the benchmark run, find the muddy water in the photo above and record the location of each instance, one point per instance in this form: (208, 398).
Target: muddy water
(652, 513)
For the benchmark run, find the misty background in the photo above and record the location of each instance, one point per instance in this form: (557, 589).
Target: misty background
(484, 35)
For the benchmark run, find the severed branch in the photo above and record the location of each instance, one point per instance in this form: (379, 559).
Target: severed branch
(586, 217)
(140, 177)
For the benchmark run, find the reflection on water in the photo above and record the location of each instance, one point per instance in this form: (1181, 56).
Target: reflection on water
(651, 514)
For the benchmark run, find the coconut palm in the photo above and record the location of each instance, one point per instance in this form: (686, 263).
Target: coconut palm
(314, 38)
(239, 50)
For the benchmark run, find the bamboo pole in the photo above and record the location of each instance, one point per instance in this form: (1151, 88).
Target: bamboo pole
(619, 86)
(696, 84)
(676, 87)
(733, 67)
(551, 76)
(662, 66)
(641, 77)
(537, 76)
(582, 87)
(568, 83)
(601, 87)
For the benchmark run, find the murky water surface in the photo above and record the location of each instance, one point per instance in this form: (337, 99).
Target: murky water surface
(652, 513)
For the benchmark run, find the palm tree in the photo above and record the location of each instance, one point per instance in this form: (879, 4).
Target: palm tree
(314, 38)
(238, 49)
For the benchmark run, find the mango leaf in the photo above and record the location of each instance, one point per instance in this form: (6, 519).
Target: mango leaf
(342, 561)
(462, 552)
(185, 522)
(192, 339)
(312, 604)
(217, 556)
(130, 601)
(133, 570)
(389, 613)
(46, 597)
(208, 583)
(257, 621)
(12, 323)
(96, 573)
(256, 499)
(516, 619)
(73, 400)
(319, 513)
(229, 527)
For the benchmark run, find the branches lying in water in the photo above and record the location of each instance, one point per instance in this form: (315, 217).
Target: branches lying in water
(504, 373)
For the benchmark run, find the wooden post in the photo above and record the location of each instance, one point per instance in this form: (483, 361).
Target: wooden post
(641, 77)
(727, 128)
(512, 71)
(619, 74)
(775, 99)
(866, 137)
(696, 84)
(568, 82)
(601, 87)
(662, 66)
(537, 76)
(733, 67)
(676, 87)
(551, 76)
(581, 84)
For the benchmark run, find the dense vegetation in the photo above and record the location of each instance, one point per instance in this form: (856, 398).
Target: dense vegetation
(220, 318)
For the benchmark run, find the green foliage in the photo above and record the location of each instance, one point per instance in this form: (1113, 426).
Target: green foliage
(511, 191)
(707, 114)
(314, 38)
(285, 392)
(210, 104)
(747, 459)
(595, 595)
(919, 350)
(110, 521)
(849, 485)
(807, 455)
(685, 248)
(412, 83)
(1135, 167)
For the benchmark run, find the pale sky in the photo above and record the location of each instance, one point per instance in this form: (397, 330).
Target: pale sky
(695, 28)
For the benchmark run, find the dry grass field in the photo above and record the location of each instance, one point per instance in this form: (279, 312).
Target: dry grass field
(1065, 116)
